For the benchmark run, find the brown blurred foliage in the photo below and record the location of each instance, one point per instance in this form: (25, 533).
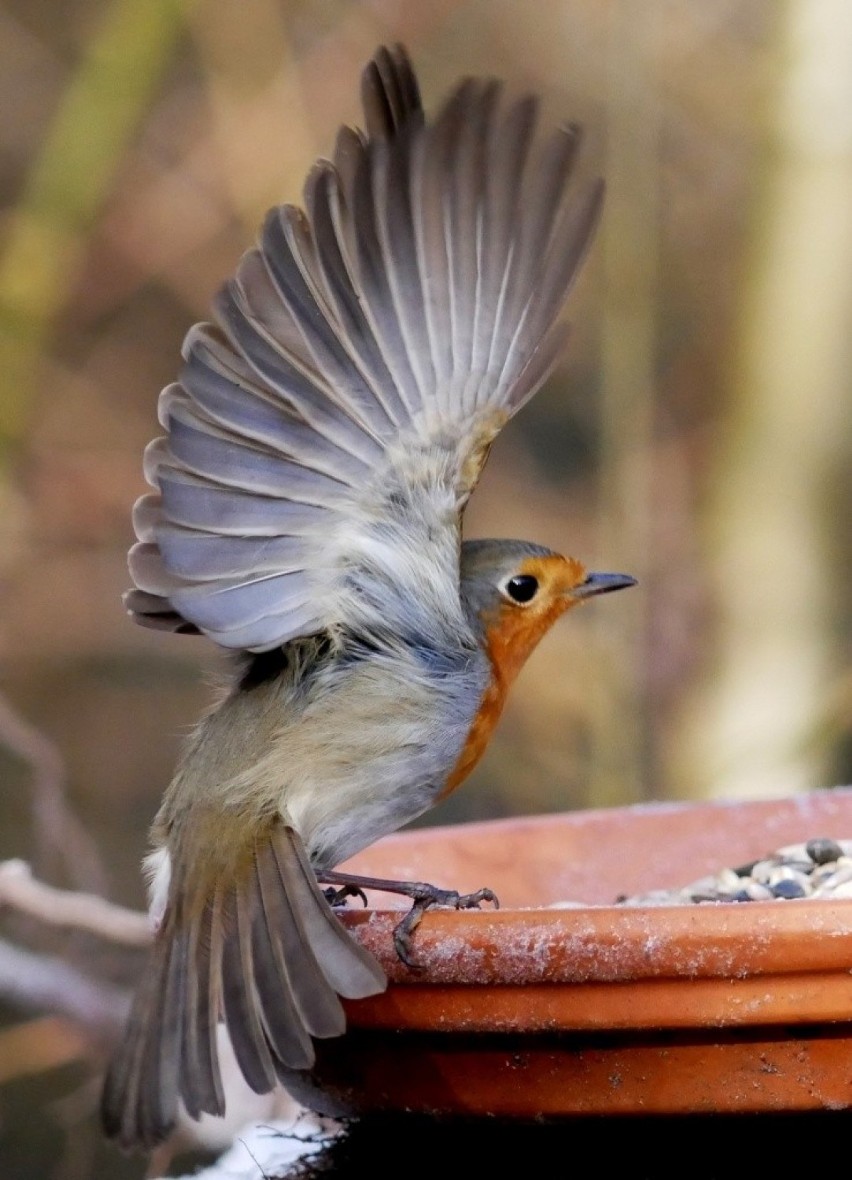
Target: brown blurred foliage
(140, 146)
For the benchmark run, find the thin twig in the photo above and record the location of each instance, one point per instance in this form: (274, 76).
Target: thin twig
(20, 891)
(44, 983)
(59, 832)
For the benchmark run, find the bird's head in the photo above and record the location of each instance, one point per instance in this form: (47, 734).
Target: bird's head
(516, 591)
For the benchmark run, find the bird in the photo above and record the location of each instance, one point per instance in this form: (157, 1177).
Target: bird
(326, 431)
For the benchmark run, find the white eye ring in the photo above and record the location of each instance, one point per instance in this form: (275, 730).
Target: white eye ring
(520, 589)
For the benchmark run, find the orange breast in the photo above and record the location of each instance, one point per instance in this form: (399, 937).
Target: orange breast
(510, 636)
(488, 714)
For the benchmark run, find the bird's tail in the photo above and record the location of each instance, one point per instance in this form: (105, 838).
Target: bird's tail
(254, 943)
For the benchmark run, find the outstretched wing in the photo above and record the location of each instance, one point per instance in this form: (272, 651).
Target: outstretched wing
(362, 359)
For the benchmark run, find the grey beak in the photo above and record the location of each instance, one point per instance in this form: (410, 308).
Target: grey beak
(602, 584)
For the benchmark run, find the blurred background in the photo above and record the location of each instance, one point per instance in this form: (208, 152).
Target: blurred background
(697, 433)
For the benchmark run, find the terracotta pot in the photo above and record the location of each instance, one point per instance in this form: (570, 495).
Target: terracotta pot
(531, 1011)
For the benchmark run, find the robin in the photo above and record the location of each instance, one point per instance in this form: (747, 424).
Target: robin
(321, 444)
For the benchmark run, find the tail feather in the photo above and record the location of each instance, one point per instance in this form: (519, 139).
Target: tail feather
(288, 1038)
(350, 969)
(127, 1110)
(259, 948)
(121, 1087)
(317, 1003)
(242, 1014)
(197, 979)
(158, 1083)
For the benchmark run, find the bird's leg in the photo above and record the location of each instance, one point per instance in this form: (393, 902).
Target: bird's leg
(423, 898)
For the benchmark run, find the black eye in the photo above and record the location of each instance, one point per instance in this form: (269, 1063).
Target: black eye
(522, 588)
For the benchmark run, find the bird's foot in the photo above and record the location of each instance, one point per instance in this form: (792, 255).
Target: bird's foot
(338, 897)
(423, 897)
(426, 897)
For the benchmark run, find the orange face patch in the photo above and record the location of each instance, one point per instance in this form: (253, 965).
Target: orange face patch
(513, 631)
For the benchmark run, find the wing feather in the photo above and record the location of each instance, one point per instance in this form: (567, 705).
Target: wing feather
(337, 414)
(323, 197)
(360, 238)
(195, 501)
(390, 94)
(429, 162)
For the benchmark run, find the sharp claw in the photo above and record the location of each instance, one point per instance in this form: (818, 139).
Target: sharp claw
(403, 932)
(427, 897)
(338, 897)
(472, 901)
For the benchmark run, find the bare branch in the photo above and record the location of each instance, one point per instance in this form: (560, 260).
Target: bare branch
(44, 983)
(74, 911)
(59, 832)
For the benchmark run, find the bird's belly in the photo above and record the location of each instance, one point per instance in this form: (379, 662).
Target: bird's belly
(376, 756)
